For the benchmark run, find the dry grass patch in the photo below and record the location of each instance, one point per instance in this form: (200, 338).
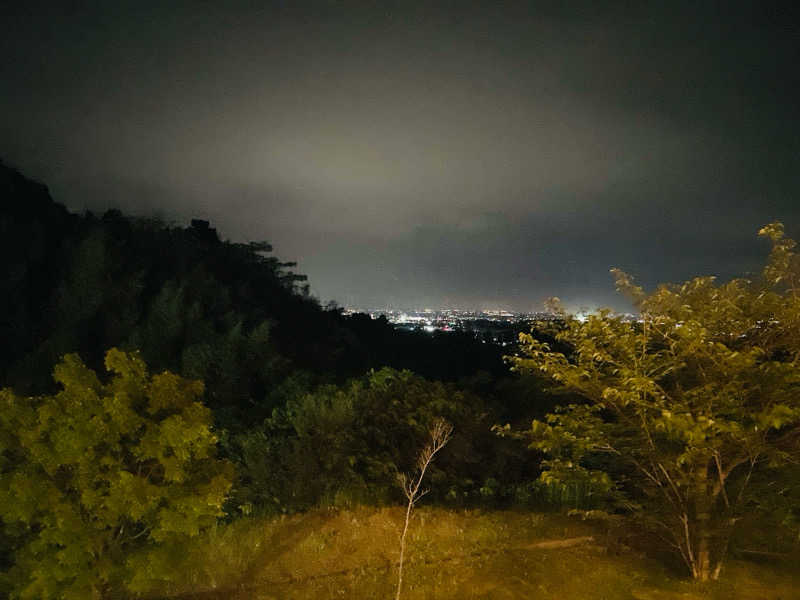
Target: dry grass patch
(452, 555)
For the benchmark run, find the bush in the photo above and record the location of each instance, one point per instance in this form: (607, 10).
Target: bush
(99, 472)
(345, 445)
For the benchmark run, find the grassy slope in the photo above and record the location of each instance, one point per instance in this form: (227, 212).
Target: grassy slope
(452, 555)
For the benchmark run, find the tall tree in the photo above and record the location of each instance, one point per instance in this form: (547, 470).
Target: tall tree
(682, 406)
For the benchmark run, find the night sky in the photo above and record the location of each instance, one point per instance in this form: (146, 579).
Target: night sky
(468, 155)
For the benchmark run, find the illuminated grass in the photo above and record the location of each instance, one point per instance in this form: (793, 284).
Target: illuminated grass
(451, 555)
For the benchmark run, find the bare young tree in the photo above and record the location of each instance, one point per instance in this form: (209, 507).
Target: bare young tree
(441, 431)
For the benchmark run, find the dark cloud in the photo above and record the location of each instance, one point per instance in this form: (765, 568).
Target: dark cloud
(424, 155)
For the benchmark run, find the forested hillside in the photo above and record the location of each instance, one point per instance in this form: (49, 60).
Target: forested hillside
(229, 313)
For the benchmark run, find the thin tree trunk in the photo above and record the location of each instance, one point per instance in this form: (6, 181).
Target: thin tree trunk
(440, 433)
(702, 569)
(403, 549)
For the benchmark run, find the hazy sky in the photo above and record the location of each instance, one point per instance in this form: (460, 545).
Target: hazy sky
(469, 155)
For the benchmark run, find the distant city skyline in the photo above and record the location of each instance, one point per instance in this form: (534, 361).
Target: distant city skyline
(495, 309)
(494, 312)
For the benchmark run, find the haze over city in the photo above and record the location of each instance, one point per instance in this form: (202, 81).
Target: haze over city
(469, 155)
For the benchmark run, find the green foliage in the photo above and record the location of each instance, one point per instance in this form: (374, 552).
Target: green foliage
(339, 445)
(194, 328)
(680, 409)
(99, 471)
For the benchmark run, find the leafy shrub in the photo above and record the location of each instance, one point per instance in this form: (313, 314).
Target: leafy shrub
(100, 471)
(345, 445)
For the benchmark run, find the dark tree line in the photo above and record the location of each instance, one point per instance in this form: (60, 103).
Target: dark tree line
(186, 299)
